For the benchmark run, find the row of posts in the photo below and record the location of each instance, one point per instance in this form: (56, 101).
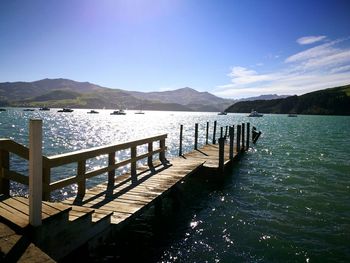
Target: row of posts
(242, 139)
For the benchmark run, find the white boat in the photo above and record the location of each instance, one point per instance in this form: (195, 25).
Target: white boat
(222, 113)
(118, 112)
(255, 114)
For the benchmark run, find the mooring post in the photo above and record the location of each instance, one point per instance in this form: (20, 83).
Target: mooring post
(221, 132)
(35, 172)
(207, 134)
(226, 131)
(4, 164)
(231, 132)
(248, 135)
(196, 136)
(221, 154)
(150, 158)
(111, 173)
(133, 153)
(214, 133)
(238, 139)
(180, 146)
(81, 178)
(243, 135)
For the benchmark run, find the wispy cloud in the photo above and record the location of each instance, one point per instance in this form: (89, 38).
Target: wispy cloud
(309, 39)
(323, 66)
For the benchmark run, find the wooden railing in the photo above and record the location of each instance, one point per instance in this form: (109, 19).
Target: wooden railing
(8, 146)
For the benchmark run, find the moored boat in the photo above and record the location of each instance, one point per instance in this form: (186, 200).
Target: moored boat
(255, 114)
(292, 115)
(92, 112)
(222, 113)
(118, 112)
(65, 110)
(44, 109)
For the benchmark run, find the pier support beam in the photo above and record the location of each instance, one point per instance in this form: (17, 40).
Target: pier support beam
(248, 135)
(180, 144)
(238, 139)
(243, 136)
(214, 133)
(221, 154)
(207, 133)
(35, 172)
(231, 134)
(196, 136)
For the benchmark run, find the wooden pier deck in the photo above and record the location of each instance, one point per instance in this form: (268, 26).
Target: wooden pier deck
(68, 224)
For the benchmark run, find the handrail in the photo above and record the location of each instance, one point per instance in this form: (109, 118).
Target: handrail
(8, 146)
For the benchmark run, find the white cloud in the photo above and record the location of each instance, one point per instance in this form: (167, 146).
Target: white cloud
(309, 39)
(324, 66)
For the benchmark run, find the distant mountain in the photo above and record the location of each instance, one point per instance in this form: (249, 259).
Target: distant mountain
(333, 101)
(69, 93)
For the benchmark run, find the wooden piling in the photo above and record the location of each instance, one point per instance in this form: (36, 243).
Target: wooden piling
(248, 135)
(35, 172)
(238, 139)
(221, 132)
(111, 173)
(207, 133)
(133, 154)
(221, 154)
(81, 178)
(214, 133)
(226, 131)
(196, 136)
(243, 136)
(231, 134)
(180, 145)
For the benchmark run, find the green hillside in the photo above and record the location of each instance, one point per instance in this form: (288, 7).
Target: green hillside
(333, 101)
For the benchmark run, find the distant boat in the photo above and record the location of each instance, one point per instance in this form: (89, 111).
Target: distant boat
(255, 114)
(44, 109)
(28, 110)
(93, 112)
(292, 115)
(118, 112)
(2, 109)
(139, 112)
(65, 110)
(222, 113)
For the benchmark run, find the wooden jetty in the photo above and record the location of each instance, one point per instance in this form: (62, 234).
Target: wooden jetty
(52, 230)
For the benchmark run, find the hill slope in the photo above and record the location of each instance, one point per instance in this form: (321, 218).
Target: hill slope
(333, 101)
(69, 93)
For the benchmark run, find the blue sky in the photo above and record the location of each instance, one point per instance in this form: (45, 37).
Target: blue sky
(232, 49)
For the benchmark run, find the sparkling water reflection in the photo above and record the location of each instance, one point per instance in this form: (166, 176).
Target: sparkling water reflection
(288, 200)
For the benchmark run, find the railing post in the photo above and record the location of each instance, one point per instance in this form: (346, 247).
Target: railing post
(162, 153)
(226, 131)
(196, 136)
(243, 136)
(207, 133)
(180, 146)
(150, 158)
(221, 132)
(248, 135)
(35, 172)
(214, 133)
(81, 178)
(231, 134)
(46, 183)
(238, 139)
(4, 164)
(133, 164)
(111, 173)
(221, 154)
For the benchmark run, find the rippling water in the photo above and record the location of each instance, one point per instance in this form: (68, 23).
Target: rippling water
(288, 199)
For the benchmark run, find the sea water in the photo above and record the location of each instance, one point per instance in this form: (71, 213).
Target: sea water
(287, 200)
